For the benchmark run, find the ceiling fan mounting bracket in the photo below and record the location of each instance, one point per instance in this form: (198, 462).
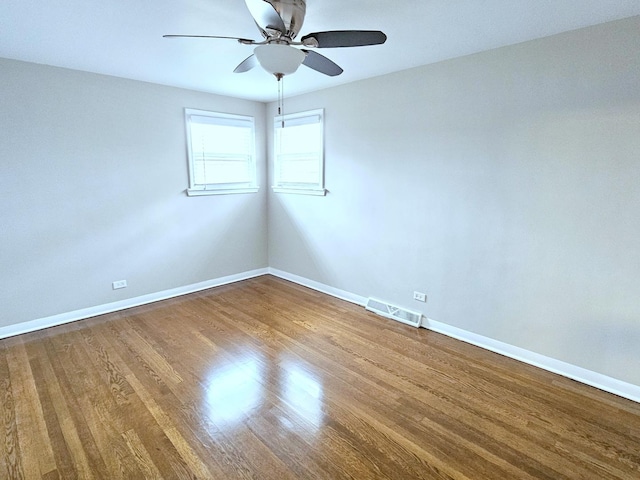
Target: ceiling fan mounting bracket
(280, 41)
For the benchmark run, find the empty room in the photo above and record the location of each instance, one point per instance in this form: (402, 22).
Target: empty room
(289, 239)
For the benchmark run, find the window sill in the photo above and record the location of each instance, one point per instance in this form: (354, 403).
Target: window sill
(227, 191)
(301, 191)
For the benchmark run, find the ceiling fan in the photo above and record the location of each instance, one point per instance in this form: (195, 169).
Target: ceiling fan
(279, 22)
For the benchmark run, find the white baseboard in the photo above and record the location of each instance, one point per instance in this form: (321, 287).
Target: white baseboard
(52, 321)
(582, 375)
(320, 287)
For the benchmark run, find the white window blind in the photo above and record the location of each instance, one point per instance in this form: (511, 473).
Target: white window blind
(221, 150)
(299, 157)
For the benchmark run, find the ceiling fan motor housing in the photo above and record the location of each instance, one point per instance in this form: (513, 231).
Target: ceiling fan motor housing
(292, 13)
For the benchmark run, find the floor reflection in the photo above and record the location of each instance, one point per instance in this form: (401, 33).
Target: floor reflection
(302, 393)
(235, 391)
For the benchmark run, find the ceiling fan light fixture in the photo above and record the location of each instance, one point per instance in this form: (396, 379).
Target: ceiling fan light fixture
(279, 59)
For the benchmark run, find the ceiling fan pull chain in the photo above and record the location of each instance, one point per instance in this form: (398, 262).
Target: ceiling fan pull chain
(281, 99)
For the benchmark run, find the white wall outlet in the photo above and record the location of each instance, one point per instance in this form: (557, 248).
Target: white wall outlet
(421, 297)
(119, 284)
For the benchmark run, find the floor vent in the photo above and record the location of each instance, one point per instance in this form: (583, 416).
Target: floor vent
(394, 313)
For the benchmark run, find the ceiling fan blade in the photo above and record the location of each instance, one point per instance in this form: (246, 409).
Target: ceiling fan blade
(246, 41)
(265, 16)
(247, 64)
(321, 64)
(344, 38)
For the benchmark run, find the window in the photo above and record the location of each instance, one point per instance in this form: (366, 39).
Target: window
(299, 157)
(221, 149)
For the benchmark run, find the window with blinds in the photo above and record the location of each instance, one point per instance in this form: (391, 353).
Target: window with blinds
(221, 150)
(299, 157)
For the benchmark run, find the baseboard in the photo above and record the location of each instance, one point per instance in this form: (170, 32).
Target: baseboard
(582, 375)
(52, 321)
(320, 287)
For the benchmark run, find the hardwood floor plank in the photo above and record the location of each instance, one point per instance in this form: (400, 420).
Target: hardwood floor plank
(152, 354)
(127, 349)
(291, 446)
(109, 423)
(268, 380)
(70, 382)
(112, 370)
(46, 380)
(140, 453)
(11, 458)
(191, 458)
(158, 446)
(35, 447)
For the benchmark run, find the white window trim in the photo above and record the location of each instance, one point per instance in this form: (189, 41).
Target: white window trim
(301, 191)
(293, 188)
(199, 192)
(194, 189)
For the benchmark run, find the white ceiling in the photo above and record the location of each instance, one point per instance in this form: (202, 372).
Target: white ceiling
(124, 38)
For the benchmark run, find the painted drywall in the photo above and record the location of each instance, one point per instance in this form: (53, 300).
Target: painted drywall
(93, 175)
(502, 184)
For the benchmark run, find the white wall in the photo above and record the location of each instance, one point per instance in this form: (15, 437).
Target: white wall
(504, 184)
(92, 180)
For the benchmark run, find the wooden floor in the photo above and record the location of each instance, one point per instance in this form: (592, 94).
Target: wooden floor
(265, 379)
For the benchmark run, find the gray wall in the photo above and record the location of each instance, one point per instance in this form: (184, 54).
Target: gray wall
(504, 184)
(92, 178)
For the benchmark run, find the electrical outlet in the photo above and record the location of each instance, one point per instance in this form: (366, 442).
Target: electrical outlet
(421, 297)
(119, 284)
